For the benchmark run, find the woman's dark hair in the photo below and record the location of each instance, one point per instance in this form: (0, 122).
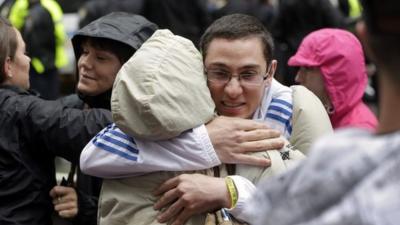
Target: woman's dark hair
(121, 50)
(8, 44)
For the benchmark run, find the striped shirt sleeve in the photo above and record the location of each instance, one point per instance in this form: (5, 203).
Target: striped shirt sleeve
(113, 140)
(113, 154)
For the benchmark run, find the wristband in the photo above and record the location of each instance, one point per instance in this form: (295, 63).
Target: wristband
(232, 191)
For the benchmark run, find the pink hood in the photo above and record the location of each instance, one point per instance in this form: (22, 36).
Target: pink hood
(339, 55)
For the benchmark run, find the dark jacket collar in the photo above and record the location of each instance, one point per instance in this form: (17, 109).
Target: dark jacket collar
(99, 101)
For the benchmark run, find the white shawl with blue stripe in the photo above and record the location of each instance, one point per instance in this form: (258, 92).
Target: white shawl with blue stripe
(276, 108)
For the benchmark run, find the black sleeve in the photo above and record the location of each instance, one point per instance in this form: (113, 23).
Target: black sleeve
(72, 101)
(63, 131)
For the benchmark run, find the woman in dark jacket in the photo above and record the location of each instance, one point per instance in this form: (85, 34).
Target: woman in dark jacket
(33, 132)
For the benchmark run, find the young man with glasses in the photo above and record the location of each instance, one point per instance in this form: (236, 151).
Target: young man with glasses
(237, 55)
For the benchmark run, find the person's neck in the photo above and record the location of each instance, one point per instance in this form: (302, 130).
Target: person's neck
(389, 109)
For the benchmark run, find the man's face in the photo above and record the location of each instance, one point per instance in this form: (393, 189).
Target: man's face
(234, 57)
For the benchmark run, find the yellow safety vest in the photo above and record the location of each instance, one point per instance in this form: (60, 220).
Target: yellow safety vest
(18, 13)
(355, 8)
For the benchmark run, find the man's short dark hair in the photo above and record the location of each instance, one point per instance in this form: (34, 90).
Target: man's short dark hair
(237, 26)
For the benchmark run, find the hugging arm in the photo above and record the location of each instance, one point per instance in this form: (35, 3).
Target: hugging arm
(183, 196)
(189, 194)
(113, 154)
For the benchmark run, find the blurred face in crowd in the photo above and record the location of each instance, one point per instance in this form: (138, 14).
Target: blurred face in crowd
(225, 62)
(311, 78)
(97, 70)
(18, 73)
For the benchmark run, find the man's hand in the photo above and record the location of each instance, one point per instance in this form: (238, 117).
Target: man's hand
(65, 201)
(190, 194)
(232, 138)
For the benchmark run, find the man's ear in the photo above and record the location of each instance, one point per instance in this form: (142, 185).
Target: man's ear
(274, 65)
(270, 72)
(271, 69)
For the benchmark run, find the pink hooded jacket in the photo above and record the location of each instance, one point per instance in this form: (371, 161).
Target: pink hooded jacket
(340, 57)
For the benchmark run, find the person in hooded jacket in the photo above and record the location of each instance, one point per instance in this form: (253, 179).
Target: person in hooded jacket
(332, 65)
(101, 48)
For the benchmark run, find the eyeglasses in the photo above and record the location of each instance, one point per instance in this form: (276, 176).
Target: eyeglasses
(247, 78)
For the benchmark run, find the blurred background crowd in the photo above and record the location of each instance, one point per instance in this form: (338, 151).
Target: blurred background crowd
(289, 21)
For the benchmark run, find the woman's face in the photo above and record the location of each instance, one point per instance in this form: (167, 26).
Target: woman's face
(19, 66)
(312, 78)
(97, 70)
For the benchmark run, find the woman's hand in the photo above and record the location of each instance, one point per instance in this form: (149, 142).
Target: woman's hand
(65, 201)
